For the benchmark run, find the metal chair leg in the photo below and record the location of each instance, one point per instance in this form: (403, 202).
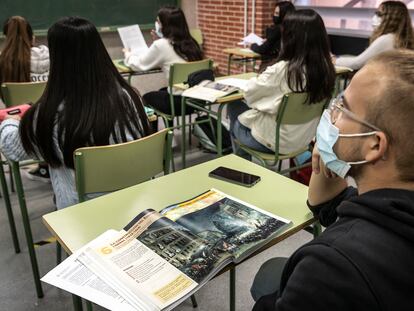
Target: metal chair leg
(77, 303)
(6, 197)
(58, 253)
(194, 301)
(11, 179)
(233, 289)
(27, 229)
(317, 229)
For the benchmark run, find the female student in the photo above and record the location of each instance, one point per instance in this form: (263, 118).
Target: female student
(20, 60)
(86, 103)
(304, 65)
(270, 48)
(174, 45)
(392, 30)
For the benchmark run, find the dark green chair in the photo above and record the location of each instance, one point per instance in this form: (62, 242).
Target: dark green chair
(16, 94)
(294, 110)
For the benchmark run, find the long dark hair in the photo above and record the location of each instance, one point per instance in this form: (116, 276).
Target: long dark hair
(174, 27)
(305, 47)
(15, 57)
(85, 97)
(285, 7)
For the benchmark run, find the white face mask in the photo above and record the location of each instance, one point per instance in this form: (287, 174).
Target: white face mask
(158, 29)
(376, 21)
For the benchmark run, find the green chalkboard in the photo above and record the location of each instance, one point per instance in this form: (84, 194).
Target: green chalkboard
(103, 13)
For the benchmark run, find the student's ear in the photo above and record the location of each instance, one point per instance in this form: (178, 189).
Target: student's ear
(377, 147)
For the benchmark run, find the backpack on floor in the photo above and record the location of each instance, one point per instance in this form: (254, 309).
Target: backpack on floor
(206, 135)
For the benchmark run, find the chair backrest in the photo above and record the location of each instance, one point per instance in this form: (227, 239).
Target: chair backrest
(295, 109)
(17, 93)
(114, 167)
(179, 71)
(197, 35)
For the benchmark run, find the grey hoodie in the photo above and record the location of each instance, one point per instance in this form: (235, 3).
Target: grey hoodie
(39, 63)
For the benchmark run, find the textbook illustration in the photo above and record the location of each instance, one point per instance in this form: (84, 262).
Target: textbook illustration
(161, 258)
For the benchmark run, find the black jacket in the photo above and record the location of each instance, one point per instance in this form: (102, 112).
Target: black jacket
(363, 261)
(270, 48)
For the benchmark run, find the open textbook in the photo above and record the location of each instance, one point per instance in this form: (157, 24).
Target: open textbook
(132, 39)
(161, 258)
(210, 90)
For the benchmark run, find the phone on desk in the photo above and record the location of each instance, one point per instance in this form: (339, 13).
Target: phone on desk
(233, 176)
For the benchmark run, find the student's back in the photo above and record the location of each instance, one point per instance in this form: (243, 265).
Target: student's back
(20, 61)
(304, 65)
(89, 105)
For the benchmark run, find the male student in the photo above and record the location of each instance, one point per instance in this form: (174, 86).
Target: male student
(364, 260)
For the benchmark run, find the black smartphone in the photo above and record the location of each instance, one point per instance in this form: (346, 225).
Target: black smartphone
(233, 176)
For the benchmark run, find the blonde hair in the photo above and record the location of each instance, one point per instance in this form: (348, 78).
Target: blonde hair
(15, 57)
(396, 20)
(393, 109)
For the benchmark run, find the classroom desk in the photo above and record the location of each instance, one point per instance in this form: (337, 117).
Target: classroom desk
(124, 70)
(243, 54)
(77, 225)
(341, 73)
(221, 102)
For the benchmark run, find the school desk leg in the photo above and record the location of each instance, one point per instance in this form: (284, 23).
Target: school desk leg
(229, 64)
(26, 225)
(6, 198)
(233, 289)
(194, 301)
(77, 303)
(219, 131)
(183, 131)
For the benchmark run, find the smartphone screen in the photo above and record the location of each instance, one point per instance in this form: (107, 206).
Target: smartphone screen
(234, 176)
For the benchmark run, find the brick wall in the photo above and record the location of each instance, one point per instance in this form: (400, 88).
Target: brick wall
(221, 22)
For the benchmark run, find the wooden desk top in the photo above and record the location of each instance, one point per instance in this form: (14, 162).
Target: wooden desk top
(242, 52)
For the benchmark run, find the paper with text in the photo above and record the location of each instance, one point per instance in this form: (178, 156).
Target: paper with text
(73, 276)
(132, 38)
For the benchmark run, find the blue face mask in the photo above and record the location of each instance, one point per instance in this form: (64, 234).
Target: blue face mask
(327, 135)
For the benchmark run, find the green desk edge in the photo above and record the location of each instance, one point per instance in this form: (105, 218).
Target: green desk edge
(77, 225)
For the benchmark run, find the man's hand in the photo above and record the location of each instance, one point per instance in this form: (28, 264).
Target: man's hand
(318, 165)
(324, 185)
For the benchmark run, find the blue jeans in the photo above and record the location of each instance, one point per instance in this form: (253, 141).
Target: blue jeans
(239, 131)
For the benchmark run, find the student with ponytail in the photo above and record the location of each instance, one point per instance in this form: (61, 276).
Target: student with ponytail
(86, 103)
(20, 60)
